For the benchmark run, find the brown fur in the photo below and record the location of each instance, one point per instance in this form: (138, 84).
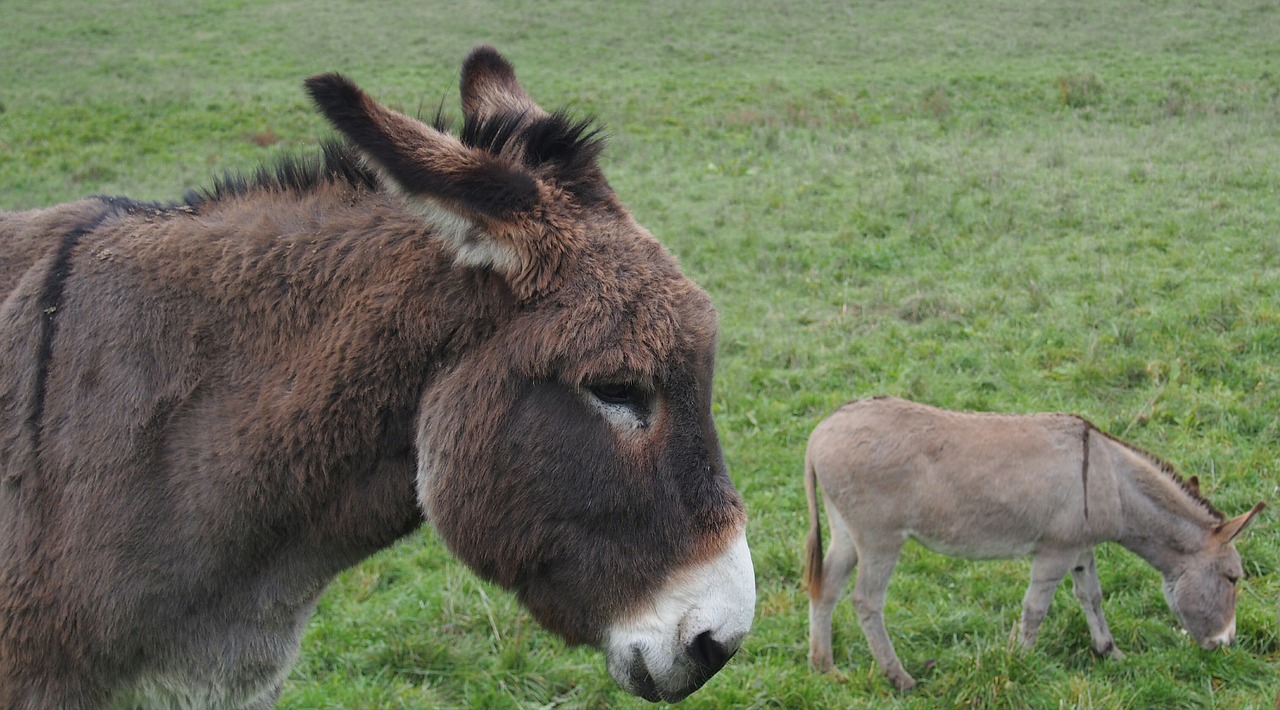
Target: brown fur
(813, 545)
(224, 403)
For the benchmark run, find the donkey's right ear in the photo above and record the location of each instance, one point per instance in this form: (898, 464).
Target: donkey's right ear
(1227, 531)
(470, 196)
(489, 87)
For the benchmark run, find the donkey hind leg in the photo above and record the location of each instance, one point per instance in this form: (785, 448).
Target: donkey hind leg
(838, 563)
(1048, 568)
(1084, 582)
(874, 568)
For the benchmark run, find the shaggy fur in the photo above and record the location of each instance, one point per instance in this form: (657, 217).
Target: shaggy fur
(208, 409)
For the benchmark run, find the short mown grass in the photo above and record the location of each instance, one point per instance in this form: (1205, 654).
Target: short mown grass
(1006, 206)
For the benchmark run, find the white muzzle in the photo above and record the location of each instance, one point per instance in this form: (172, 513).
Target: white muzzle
(691, 627)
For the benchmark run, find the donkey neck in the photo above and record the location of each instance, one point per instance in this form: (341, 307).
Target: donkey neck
(1162, 520)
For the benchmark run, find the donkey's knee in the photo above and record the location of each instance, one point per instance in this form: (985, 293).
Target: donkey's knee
(869, 608)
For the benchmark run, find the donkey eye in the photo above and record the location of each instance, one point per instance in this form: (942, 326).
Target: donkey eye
(622, 393)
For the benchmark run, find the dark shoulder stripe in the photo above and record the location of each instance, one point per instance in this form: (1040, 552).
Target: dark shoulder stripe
(50, 301)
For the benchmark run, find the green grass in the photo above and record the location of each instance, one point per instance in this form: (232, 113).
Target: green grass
(1000, 205)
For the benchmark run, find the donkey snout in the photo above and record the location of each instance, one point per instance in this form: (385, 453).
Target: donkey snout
(709, 654)
(1226, 638)
(688, 630)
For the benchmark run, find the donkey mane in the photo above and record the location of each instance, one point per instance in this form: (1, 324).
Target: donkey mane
(568, 145)
(336, 164)
(1165, 467)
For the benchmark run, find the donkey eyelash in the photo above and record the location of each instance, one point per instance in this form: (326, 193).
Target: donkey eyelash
(627, 405)
(619, 393)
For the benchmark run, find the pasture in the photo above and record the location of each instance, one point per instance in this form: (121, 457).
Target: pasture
(1014, 206)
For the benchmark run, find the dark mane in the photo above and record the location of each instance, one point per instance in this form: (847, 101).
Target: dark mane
(569, 145)
(337, 163)
(1167, 468)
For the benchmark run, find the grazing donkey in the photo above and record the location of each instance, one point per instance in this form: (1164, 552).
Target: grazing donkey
(209, 409)
(998, 486)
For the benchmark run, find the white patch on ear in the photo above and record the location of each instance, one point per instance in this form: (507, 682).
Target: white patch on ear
(470, 245)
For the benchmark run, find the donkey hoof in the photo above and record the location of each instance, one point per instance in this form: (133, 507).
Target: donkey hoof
(903, 682)
(822, 665)
(1109, 651)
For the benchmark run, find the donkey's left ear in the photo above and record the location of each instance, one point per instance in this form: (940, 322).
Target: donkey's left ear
(1227, 531)
(485, 207)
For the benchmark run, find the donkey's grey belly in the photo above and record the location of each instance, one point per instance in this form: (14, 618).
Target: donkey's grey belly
(978, 549)
(981, 527)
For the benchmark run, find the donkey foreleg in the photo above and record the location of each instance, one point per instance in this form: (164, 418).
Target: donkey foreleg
(874, 569)
(1084, 583)
(1047, 570)
(836, 567)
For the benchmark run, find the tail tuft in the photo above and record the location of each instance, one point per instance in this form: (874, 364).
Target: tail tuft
(813, 547)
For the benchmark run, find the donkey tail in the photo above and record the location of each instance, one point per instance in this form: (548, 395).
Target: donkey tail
(813, 547)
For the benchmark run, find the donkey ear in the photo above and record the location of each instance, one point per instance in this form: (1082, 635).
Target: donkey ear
(419, 160)
(489, 87)
(474, 198)
(1227, 531)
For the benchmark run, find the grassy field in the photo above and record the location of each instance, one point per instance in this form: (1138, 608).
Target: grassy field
(1001, 205)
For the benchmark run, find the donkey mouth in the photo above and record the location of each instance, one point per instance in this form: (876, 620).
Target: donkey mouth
(644, 685)
(1225, 638)
(642, 681)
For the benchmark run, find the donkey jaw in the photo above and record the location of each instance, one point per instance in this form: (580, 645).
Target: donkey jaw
(687, 632)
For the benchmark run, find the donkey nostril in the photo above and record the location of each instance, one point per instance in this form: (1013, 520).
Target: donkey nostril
(709, 654)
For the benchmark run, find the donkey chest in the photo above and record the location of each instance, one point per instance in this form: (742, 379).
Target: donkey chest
(219, 659)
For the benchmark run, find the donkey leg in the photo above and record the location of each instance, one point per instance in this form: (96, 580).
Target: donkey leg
(839, 562)
(874, 568)
(1047, 570)
(1084, 582)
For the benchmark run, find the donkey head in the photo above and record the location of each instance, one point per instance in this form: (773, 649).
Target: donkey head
(567, 452)
(1202, 589)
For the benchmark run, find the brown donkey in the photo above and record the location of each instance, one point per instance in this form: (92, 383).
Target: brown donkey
(208, 409)
(998, 486)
